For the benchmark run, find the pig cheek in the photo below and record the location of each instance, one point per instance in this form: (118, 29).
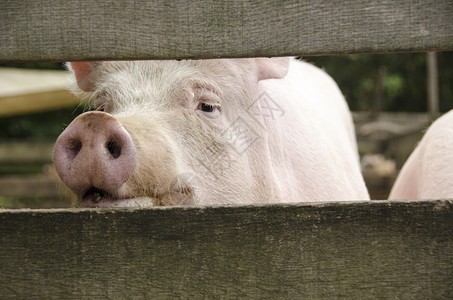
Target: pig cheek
(154, 172)
(223, 174)
(156, 165)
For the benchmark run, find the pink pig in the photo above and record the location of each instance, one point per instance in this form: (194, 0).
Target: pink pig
(427, 173)
(208, 132)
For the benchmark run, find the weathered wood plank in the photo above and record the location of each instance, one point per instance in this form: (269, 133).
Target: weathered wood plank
(26, 91)
(354, 250)
(111, 29)
(37, 102)
(26, 152)
(31, 186)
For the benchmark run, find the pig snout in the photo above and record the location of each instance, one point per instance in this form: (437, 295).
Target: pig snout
(95, 156)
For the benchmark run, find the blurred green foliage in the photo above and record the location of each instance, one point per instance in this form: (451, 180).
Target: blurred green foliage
(404, 81)
(37, 126)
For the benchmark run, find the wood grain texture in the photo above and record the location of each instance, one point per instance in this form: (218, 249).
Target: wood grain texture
(88, 30)
(382, 249)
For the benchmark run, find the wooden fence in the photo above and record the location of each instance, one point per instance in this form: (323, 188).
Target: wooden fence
(400, 250)
(383, 249)
(160, 29)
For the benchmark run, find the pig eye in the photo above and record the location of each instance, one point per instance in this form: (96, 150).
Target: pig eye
(208, 109)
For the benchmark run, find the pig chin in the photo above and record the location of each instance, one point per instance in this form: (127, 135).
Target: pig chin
(95, 197)
(179, 193)
(115, 203)
(172, 199)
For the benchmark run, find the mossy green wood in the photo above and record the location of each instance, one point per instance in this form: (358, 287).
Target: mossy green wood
(357, 250)
(141, 29)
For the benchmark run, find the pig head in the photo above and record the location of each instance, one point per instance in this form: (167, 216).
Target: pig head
(208, 132)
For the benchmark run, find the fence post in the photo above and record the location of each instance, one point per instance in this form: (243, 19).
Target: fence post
(433, 85)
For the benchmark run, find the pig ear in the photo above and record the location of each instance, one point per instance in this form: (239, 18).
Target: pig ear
(272, 68)
(82, 72)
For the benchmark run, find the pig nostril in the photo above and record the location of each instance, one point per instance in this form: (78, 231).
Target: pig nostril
(114, 148)
(74, 147)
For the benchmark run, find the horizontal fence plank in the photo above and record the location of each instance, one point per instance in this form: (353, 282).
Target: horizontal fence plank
(382, 249)
(26, 152)
(110, 29)
(36, 102)
(41, 186)
(25, 91)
